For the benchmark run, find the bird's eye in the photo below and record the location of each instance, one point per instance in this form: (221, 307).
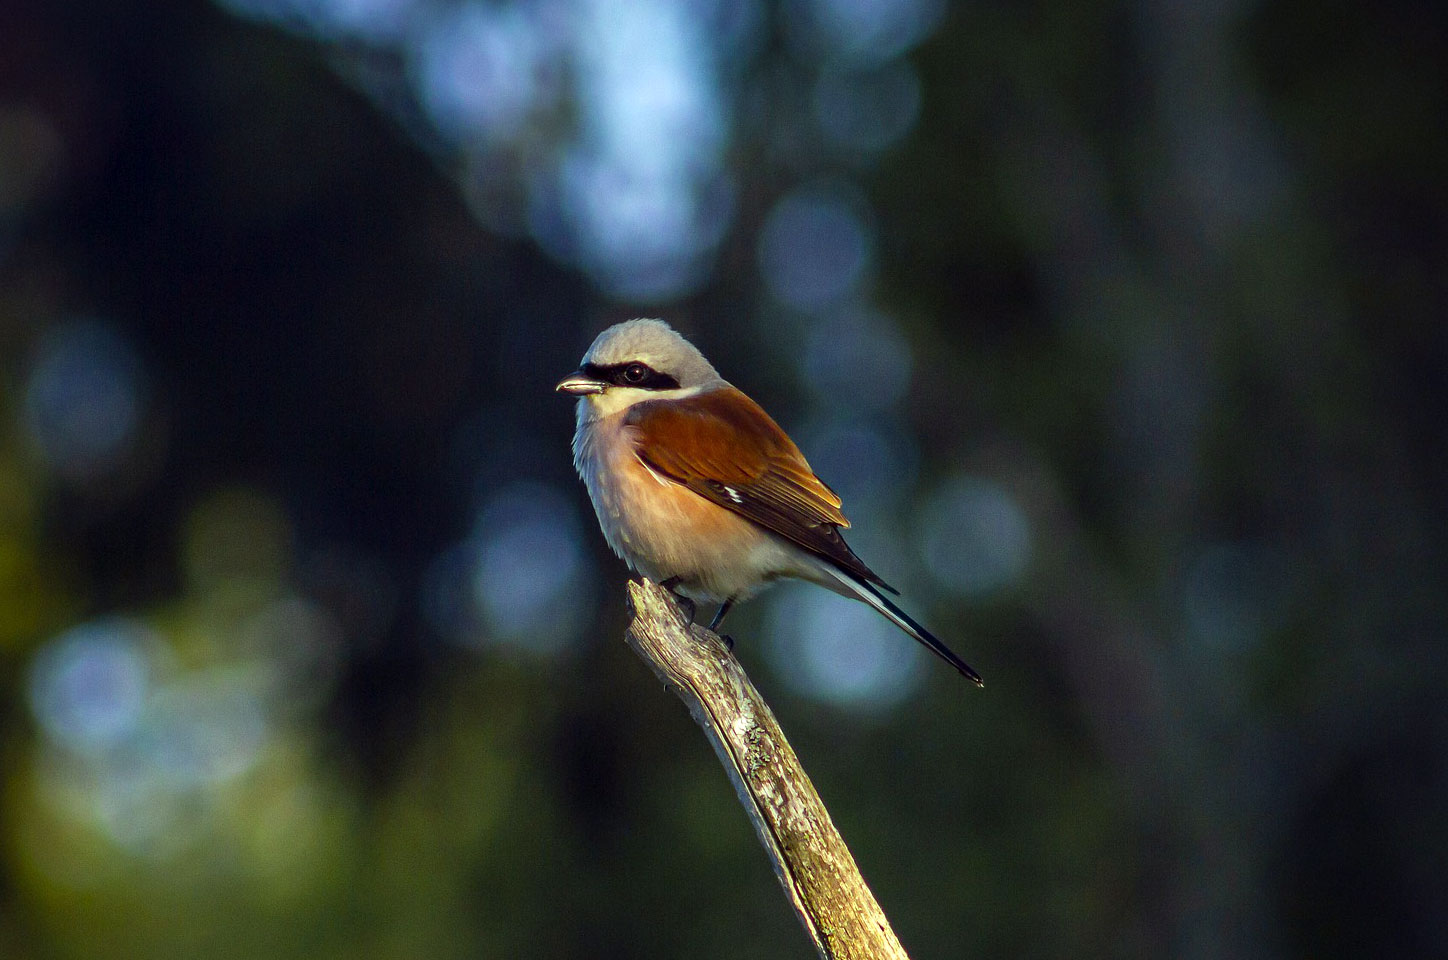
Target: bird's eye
(635, 373)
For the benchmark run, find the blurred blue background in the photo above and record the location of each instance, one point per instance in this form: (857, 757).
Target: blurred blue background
(1119, 327)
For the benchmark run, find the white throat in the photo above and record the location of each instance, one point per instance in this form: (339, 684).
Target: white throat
(600, 406)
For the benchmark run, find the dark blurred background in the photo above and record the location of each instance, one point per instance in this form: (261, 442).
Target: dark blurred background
(1119, 327)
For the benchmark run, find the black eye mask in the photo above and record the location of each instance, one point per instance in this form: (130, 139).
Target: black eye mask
(638, 375)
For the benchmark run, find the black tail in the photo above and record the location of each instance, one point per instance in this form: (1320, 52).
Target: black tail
(871, 595)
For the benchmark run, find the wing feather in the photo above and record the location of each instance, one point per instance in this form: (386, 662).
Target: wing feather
(724, 447)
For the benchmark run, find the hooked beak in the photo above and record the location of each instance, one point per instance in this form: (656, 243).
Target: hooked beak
(579, 385)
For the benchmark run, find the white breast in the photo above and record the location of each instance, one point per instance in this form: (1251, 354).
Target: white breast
(664, 530)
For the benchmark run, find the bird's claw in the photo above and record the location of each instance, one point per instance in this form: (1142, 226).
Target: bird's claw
(684, 602)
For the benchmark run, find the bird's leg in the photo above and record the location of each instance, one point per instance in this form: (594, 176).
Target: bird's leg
(719, 616)
(684, 601)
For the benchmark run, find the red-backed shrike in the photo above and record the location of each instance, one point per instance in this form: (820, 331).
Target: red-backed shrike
(698, 489)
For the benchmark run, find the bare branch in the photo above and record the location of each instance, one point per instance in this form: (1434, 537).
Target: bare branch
(809, 856)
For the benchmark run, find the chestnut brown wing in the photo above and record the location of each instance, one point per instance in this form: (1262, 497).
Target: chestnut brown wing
(724, 447)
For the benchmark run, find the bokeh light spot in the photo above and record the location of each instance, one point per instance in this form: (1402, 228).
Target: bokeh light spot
(863, 31)
(870, 111)
(481, 69)
(865, 462)
(839, 651)
(529, 573)
(83, 400)
(373, 21)
(815, 248)
(642, 232)
(642, 193)
(205, 728)
(520, 581)
(857, 358)
(89, 685)
(974, 537)
(1233, 594)
(298, 642)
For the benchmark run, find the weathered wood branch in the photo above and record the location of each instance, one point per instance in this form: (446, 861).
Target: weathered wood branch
(809, 856)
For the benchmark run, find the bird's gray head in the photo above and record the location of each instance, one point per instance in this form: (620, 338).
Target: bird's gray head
(638, 360)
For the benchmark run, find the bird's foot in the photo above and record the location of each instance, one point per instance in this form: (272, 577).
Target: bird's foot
(728, 641)
(684, 602)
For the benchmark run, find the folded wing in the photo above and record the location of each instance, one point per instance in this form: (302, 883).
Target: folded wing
(724, 447)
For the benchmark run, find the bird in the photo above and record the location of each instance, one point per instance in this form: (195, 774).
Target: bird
(699, 490)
